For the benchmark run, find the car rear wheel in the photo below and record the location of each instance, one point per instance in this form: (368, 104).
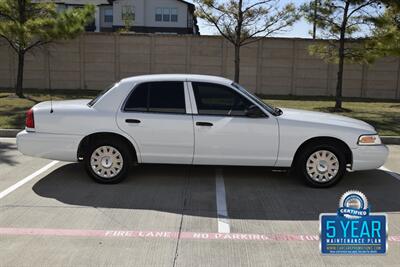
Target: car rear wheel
(321, 165)
(108, 162)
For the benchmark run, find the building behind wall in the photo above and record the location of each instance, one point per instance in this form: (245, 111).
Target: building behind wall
(143, 16)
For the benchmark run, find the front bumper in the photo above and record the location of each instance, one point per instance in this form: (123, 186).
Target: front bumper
(49, 146)
(369, 157)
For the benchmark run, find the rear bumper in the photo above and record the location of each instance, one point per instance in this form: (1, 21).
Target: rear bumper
(49, 146)
(369, 157)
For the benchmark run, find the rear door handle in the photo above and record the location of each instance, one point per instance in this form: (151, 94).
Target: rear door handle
(132, 121)
(202, 123)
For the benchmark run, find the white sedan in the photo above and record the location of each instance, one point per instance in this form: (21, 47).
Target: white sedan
(196, 119)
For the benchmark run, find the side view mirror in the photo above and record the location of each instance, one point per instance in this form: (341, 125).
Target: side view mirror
(254, 112)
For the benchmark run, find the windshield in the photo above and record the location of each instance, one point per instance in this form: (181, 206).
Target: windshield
(269, 108)
(94, 100)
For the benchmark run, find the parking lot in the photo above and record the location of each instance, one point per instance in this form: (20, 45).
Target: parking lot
(52, 214)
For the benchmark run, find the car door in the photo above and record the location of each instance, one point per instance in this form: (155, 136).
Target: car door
(225, 134)
(155, 116)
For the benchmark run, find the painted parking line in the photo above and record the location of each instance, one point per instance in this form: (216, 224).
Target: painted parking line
(392, 173)
(222, 211)
(161, 234)
(27, 179)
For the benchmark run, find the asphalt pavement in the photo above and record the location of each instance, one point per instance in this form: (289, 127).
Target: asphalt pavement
(53, 214)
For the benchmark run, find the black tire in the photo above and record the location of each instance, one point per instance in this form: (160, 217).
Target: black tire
(122, 148)
(301, 163)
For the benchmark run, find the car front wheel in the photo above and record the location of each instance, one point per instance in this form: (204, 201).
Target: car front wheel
(322, 165)
(107, 163)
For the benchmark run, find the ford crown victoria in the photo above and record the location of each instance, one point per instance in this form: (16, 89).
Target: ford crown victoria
(196, 119)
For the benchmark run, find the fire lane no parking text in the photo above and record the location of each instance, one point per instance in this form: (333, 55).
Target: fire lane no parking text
(161, 234)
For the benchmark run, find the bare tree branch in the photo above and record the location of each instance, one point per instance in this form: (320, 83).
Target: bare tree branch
(243, 22)
(36, 44)
(255, 5)
(9, 42)
(361, 7)
(215, 23)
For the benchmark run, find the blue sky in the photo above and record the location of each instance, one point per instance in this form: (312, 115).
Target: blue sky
(300, 29)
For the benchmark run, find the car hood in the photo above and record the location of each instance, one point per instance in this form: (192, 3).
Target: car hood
(324, 118)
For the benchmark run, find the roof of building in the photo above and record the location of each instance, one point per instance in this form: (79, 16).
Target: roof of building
(185, 2)
(78, 2)
(190, 4)
(93, 2)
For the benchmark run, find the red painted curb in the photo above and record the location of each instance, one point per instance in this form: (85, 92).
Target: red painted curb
(161, 234)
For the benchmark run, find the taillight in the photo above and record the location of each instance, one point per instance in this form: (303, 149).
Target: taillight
(29, 122)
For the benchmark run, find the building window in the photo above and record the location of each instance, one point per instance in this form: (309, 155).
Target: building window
(158, 14)
(108, 15)
(128, 13)
(174, 14)
(166, 14)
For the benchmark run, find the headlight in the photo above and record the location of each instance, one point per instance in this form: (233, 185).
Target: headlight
(369, 140)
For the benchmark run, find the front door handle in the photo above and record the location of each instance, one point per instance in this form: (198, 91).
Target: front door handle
(202, 123)
(132, 121)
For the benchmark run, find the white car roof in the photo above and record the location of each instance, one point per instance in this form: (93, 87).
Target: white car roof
(177, 77)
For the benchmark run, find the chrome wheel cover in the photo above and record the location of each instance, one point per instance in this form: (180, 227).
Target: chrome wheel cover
(322, 166)
(106, 162)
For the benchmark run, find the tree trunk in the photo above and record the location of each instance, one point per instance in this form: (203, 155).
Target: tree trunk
(20, 75)
(342, 41)
(314, 32)
(237, 64)
(21, 52)
(339, 85)
(238, 40)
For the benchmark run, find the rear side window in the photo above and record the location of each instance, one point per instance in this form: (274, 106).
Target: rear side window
(215, 99)
(162, 97)
(138, 99)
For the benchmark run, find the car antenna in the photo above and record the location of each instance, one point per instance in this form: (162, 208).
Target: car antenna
(51, 102)
(49, 77)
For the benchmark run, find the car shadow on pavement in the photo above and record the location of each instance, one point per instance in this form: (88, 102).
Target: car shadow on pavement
(251, 192)
(255, 194)
(5, 147)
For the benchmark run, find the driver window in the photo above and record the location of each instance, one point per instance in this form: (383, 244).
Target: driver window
(215, 99)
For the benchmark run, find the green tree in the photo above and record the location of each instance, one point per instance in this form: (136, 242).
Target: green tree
(386, 35)
(128, 17)
(342, 22)
(244, 22)
(26, 24)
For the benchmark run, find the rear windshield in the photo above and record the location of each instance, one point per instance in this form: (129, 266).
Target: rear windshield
(94, 100)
